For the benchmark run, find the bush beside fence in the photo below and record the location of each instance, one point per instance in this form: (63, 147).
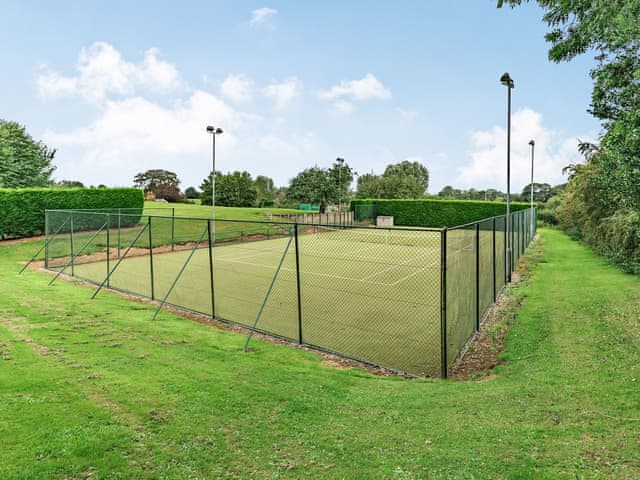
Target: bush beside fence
(23, 209)
(436, 213)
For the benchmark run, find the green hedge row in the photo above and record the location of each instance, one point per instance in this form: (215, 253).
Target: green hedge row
(22, 209)
(438, 213)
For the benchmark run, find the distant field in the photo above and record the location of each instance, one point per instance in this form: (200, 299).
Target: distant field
(204, 211)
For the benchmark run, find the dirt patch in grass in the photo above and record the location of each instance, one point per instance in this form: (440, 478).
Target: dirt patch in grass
(482, 352)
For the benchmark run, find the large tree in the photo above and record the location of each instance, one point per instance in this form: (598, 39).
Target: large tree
(541, 192)
(235, 189)
(24, 162)
(401, 180)
(266, 190)
(321, 185)
(163, 183)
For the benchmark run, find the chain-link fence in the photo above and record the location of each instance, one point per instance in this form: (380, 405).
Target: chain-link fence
(403, 298)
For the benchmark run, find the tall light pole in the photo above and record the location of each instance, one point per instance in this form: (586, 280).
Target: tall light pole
(532, 144)
(507, 81)
(213, 131)
(340, 162)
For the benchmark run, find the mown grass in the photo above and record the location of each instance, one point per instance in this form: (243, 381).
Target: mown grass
(95, 389)
(223, 213)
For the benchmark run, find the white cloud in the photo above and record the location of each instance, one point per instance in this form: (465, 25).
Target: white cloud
(344, 107)
(101, 71)
(487, 165)
(367, 88)
(283, 93)
(237, 88)
(262, 17)
(135, 134)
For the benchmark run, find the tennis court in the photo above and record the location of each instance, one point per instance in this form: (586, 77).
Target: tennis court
(367, 294)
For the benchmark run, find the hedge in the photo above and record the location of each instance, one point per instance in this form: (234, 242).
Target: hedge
(438, 213)
(22, 209)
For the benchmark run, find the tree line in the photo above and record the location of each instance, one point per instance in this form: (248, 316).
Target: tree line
(601, 203)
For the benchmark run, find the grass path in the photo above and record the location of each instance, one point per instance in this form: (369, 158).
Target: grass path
(94, 389)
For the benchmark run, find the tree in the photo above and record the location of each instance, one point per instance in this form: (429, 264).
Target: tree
(409, 169)
(24, 162)
(163, 184)
(541, 192)
(370, 186)
(69, 184)
(235, 189)
(601, 203)
(312, 185)
(321, 185)
(191, 193)
(402, 180)
(265, 188)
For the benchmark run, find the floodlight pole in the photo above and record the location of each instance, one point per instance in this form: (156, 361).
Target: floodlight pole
(532, 144)
(507, 81)
(340, 162)
(212, 231)
(213, 131)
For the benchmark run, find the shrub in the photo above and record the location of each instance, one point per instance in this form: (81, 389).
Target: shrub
(438, 213)
(23, 210)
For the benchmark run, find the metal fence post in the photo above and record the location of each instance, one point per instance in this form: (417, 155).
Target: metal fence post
(173, 229)
(71, 244)
(46, 239)
(108, 251)
(477, 241)
(119, 218)
(493, 256)
(153, 293)
(213, 297)
(443, 303)
(504, 254)
(295, 232)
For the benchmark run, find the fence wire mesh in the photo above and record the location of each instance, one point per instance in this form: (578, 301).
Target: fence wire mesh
(406, 299)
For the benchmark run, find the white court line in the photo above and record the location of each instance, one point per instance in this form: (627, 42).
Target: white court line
(340, 277)
(397, 282)
(404, 264)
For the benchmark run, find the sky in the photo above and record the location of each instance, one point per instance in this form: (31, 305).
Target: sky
(121, 87)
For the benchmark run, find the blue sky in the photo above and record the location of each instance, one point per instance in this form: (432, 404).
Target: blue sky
(121, 87)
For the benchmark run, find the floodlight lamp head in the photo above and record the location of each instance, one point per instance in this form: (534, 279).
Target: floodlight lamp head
(532, 142)
(340, 160)
(213, 130)
(506, 80)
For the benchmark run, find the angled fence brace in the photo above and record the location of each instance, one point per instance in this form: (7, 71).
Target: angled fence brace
(46, 243)
(184, 266)
(146, 225)
(73, 257)
(266, 297)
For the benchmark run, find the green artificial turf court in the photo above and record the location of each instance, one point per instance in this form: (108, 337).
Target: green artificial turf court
(368, 294)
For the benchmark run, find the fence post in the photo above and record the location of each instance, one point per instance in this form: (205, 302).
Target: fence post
(71, 244)
(477, 241)
(443, 302)
(46, 239)
(108, 251)
(153, 293)
(295, 232)
(173, 229)
(213, 297)
(493, 256)
(504, 254)
(119, 217)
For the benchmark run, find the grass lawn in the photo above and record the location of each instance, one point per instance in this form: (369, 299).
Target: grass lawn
(95, 389)
(204, 211)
